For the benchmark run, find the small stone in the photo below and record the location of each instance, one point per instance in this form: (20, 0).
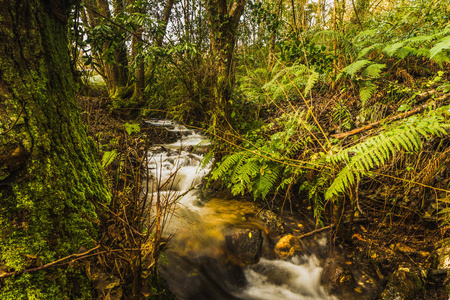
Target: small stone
(287, 247)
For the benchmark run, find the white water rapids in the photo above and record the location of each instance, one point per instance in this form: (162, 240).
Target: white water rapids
(195, 268)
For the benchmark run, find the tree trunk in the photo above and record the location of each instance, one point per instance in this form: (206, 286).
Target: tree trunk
(50, 177)
(115, 69)
(149, 73)
(223, 22)
(139, 73)
(273, 36)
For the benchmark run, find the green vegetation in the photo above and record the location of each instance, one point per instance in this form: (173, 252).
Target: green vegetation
(314, 104)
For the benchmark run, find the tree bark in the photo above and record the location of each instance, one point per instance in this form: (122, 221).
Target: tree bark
(223, 22)
(50, 177)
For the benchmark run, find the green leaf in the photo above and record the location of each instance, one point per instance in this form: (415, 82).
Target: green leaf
(108, 157)
(132, 128)
(312, 79)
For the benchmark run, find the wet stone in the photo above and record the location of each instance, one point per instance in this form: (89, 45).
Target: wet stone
(275, 225)
(287, 247)
(245, 244)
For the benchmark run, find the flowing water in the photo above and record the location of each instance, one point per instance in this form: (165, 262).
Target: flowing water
(198, 264)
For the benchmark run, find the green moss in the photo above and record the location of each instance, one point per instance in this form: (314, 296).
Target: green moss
(48, 208)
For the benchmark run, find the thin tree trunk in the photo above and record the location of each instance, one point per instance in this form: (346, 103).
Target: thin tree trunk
(116, 71)
(273, 35)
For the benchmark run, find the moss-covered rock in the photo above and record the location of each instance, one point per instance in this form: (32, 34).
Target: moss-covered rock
(403, 285)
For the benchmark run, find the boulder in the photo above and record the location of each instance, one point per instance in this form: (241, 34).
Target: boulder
(245, 245)
(403, 285)
(287, 247)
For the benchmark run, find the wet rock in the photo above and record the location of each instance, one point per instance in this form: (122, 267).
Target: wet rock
(287, 247)
(337, 275)
(403, 285)
(342, 277)
(274, 224)
(245, 244)
(203, 277)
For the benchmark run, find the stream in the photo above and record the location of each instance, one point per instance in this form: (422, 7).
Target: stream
(212, 250)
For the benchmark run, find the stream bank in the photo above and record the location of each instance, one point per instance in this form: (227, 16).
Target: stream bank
(392, 250)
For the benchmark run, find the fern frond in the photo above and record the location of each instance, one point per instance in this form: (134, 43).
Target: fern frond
(390, 49)
(373, 71)
(366, 91)
(353, 68)
(234, 161)
(312, 79)
(246, 172)
(442, 45)
(265, 181)
(369, 49)
(376, 151)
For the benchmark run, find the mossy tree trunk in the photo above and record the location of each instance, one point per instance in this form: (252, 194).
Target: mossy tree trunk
(223, 21)
(50, 177)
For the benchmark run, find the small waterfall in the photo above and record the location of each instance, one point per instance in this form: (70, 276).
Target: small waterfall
(198, 265)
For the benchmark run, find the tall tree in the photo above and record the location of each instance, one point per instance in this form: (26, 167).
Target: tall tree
(50, 177)
(223, 21)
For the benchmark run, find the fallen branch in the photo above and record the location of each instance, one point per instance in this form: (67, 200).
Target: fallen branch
(329, 227)
(49, 265)
(372, 125)
(397, 117)
(317, 231)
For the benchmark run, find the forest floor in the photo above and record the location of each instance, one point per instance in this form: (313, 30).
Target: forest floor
(393, 237)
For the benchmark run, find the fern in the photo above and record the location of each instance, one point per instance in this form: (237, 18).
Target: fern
(376, 151)
(353, 68)
(366, 91)
(367, 50)
(233, 161)
(246, 171)
(442, 45)
(312, 80)
(391, 49)
(288, 79)
(265, 180)
(373, 70)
